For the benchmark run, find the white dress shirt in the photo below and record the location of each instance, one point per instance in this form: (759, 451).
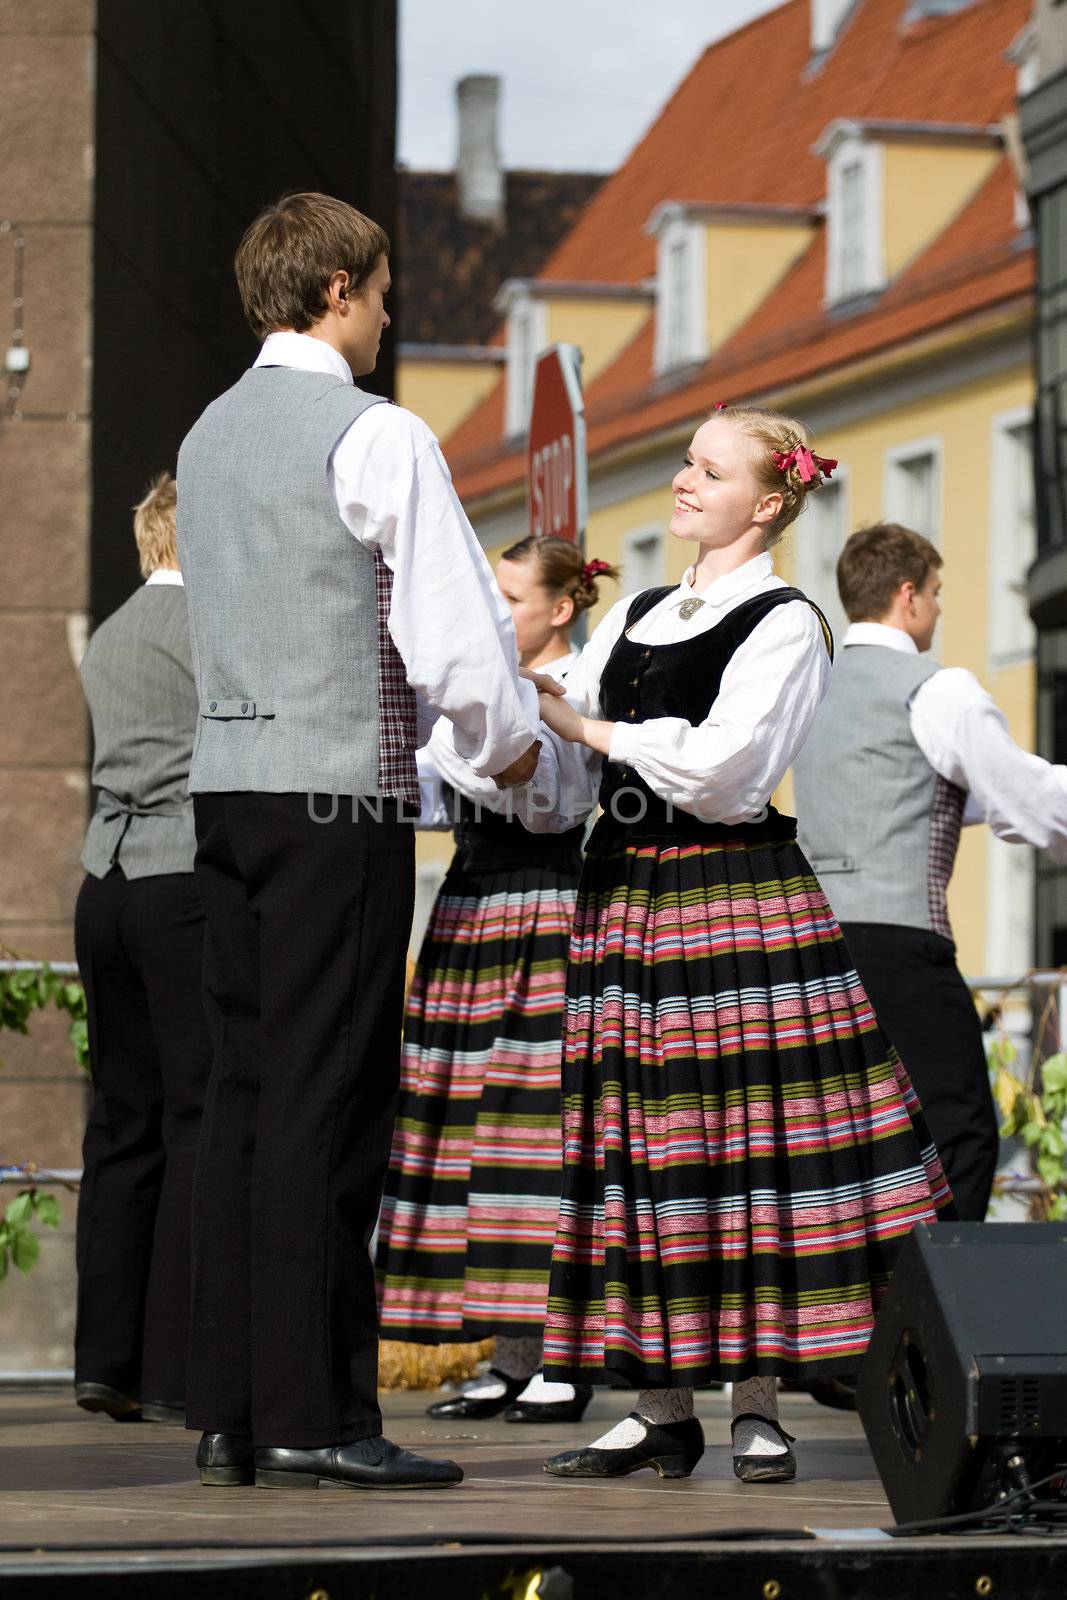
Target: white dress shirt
(165, 575)
(964, 736)
(447, 617)
(726, 768)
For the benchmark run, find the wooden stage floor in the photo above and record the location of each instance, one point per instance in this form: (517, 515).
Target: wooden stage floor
(82, 1495)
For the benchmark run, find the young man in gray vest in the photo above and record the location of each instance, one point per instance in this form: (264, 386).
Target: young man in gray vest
(332, 577)
(900, 746)
(139, 935)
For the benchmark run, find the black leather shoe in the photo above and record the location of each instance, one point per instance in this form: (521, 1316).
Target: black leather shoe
(367, 1464)
(671, 1449)
(224, 1460)
(172, 1411)
(552, 1410)
(781, 1468)
(101, 1397)
(461, 1405)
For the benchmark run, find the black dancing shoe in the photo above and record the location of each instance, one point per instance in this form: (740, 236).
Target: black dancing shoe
(552, 1410)
(102, 1397)
(367, 1464)
(461, 1405)
(171, 1411)
(224, 1460)
(672, 1449)
(781, 1468)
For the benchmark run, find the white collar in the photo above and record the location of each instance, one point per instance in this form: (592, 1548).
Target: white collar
(165, 575)
(723, 589)
(880, 633)
(300, 350)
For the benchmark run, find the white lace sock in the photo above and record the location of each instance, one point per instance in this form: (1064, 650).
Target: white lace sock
(654, 1406)
(514, 1358)
(539, 1393)
(751, 1438)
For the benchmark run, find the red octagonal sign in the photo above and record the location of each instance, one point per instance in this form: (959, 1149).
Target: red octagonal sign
(555, 460)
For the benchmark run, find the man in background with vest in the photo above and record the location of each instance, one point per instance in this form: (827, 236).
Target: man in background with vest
(900, 746)
(139, 936)
(332, 578)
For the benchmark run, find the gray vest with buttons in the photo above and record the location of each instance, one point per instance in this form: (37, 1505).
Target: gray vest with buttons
(865, 793)
(282, 602)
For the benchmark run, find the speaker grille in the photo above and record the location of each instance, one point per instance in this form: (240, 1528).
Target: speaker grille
(1019, 1404)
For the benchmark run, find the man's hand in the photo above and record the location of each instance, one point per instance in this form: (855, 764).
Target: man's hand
(521, 769)
(542, 682)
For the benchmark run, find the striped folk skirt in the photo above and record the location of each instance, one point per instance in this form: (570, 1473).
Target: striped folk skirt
(743, 1151)
(472, 1195)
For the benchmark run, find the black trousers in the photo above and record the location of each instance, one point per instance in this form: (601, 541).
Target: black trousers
(308, 923)
(927, 1012)
(140, 950)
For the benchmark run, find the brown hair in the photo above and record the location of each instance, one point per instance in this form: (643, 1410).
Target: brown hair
(563, 568)
(289, 254)
(771, 432)
(874, 564)
(155, 525)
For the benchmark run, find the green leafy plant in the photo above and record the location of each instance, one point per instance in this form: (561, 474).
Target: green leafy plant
(19, 1245)
(34, 989)
(1033, 1104)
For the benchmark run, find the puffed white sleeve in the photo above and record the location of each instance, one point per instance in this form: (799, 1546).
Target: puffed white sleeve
(726, 768)
(964, 735)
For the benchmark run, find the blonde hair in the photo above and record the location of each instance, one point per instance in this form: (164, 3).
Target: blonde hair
(155, 525)
(772, 432)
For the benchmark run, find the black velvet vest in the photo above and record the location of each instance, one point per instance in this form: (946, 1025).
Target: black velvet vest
(682, 679)
(487, 842)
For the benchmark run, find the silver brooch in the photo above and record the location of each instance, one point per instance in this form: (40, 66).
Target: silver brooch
(689, 608)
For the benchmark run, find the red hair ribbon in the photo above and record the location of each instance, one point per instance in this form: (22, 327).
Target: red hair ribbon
(722, 405)
(594, 568)
(807, 463)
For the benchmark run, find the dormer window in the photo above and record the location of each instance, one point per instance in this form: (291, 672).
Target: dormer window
(681, 310)
(855, 246)
(526, 338)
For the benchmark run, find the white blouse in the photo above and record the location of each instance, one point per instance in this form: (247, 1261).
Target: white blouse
(440, 763)
(727, 767)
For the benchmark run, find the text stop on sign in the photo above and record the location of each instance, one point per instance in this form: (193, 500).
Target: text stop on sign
(556, 468)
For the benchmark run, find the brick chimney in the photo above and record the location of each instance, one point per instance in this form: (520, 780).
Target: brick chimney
(479, 177)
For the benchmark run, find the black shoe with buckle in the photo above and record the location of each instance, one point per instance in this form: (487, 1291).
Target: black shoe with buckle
(224, 1460)
(469, 1407)
(552, 1410)
(780, 1468)
(102, 1397)
(367, 1464)
(672, 1449)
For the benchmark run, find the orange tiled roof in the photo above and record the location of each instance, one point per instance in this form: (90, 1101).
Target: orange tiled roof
(755, 146)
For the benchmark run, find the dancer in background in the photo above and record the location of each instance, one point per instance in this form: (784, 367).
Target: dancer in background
(472, 1196)
(139, 935)
(743, 1151)
(899, 748)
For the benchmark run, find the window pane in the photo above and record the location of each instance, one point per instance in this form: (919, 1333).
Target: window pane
(851, 196)
(819, 536)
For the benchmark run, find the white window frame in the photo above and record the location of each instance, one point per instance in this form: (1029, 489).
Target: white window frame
(650, 535)
(1010, 876)
(807, 563)
(1002, 566)
(525, 314)
(852, 150)
(676, 232)
(896, 459)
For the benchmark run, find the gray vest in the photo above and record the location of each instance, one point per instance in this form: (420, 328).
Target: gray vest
(283, 601)
(877, 823)
(138, 678)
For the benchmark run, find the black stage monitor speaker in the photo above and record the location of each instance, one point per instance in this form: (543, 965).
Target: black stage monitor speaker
(963, 1391)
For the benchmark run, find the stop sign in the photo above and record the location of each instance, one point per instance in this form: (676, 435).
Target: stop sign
(555, 458)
